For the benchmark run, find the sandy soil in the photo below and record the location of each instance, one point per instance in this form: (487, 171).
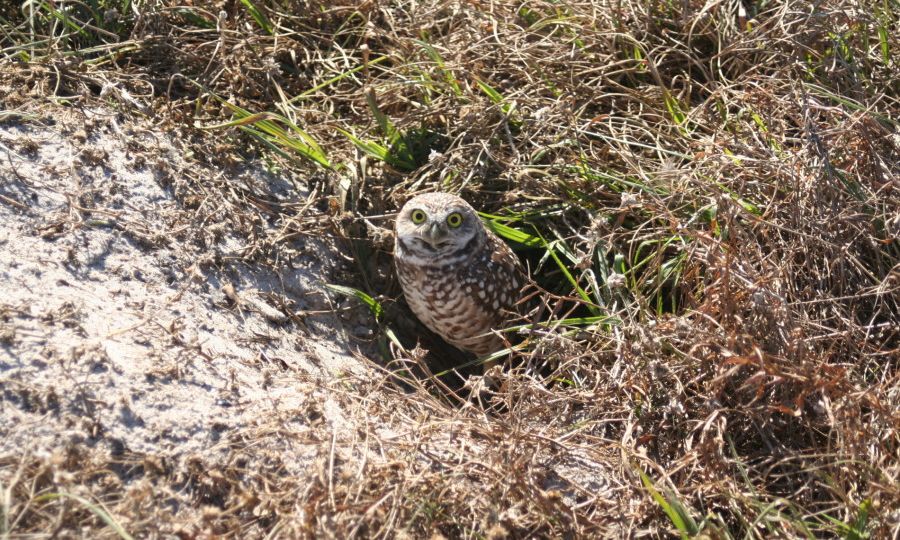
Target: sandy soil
(126, 325)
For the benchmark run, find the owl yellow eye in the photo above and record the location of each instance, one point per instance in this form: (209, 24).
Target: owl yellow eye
(454, 219)
(417, 217)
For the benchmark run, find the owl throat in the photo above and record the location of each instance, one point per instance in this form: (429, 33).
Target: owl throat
(425, 256)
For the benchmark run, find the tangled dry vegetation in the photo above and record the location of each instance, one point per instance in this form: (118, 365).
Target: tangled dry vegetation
(707, 191)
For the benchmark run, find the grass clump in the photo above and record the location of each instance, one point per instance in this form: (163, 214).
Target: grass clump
(706, 193)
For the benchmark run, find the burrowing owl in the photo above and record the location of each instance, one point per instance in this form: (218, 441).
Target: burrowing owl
(457, 276)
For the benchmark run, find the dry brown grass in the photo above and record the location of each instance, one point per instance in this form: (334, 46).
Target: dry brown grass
(743, 166)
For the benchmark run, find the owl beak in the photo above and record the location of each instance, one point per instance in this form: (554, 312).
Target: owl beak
(435, 234)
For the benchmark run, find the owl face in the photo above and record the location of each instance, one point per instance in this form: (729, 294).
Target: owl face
(436, 226)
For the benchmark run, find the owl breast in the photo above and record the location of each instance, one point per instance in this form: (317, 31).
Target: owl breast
(463, 302)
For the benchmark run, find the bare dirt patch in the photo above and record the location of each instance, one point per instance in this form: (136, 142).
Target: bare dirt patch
(130, 328)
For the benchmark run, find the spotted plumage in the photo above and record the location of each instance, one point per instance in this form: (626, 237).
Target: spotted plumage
(457, 276)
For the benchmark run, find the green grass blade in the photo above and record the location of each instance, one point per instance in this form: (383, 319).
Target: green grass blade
(370, 147)
(373, 305)
(553, 249)
(259, 17)
(747, 205)
(482, 360)
(510, 233)
(398, 150)
(674, 108)
(62, 17)
(885, 47)
(858, 528)
(337, 78)
(492, 94)
(196, 19)
(384, 123)
(496, 97)
(266, 126)
(97, 509)
(580, 291)
(436, 57)
(571, 321)
(618, 183)
(380, 152)
(849, 103)
(677, 513)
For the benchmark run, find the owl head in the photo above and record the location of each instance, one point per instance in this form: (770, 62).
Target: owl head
(437, 225)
